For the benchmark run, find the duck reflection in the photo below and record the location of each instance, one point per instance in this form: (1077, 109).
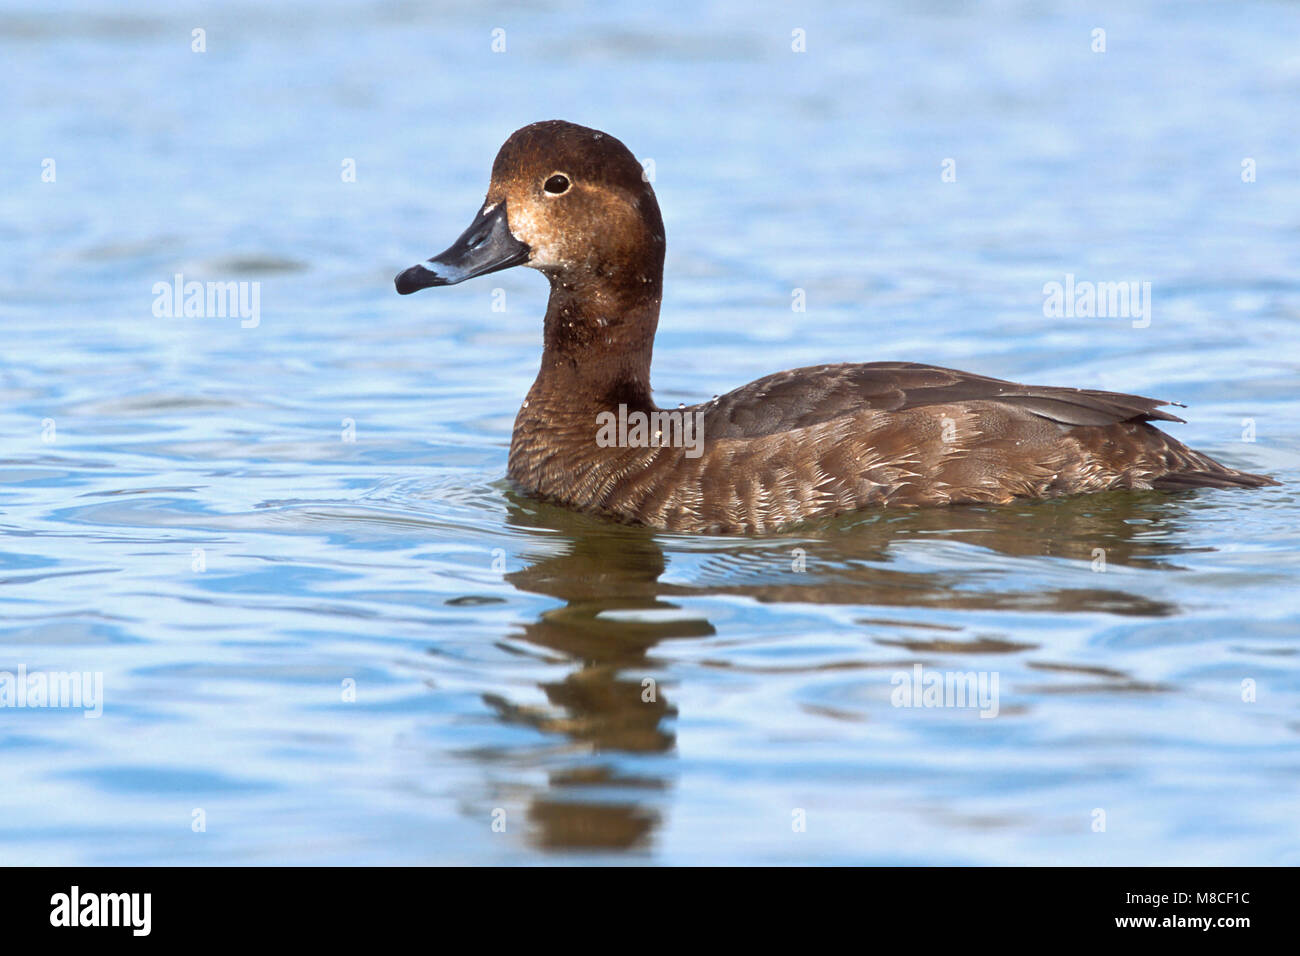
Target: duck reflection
(608, 578)
(616, 608)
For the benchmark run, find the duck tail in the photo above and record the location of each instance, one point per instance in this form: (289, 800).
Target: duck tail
(1214, 476)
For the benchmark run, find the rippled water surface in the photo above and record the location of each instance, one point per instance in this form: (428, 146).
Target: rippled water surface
(182, 511)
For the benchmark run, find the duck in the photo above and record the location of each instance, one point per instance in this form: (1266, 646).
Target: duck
(803, 444)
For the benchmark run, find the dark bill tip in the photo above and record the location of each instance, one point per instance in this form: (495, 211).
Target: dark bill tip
(416, 278)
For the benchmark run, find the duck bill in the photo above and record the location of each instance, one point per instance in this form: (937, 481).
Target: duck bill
(486, 246)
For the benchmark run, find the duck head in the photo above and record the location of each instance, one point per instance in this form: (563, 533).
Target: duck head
(566, 200)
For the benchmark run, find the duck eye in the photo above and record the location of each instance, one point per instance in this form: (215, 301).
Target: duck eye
(556, 184)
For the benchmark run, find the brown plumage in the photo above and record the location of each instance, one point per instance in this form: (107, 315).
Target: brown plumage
(807, 443)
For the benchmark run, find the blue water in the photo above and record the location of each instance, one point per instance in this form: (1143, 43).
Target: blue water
(182, 511)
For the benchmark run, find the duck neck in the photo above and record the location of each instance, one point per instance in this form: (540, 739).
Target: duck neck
(598, 340)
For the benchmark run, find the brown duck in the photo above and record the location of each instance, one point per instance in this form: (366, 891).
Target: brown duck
(572, 203)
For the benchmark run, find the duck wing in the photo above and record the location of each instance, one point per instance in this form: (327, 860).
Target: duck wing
(802, 397)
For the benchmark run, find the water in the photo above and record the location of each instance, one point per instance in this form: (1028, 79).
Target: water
(498, 648)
